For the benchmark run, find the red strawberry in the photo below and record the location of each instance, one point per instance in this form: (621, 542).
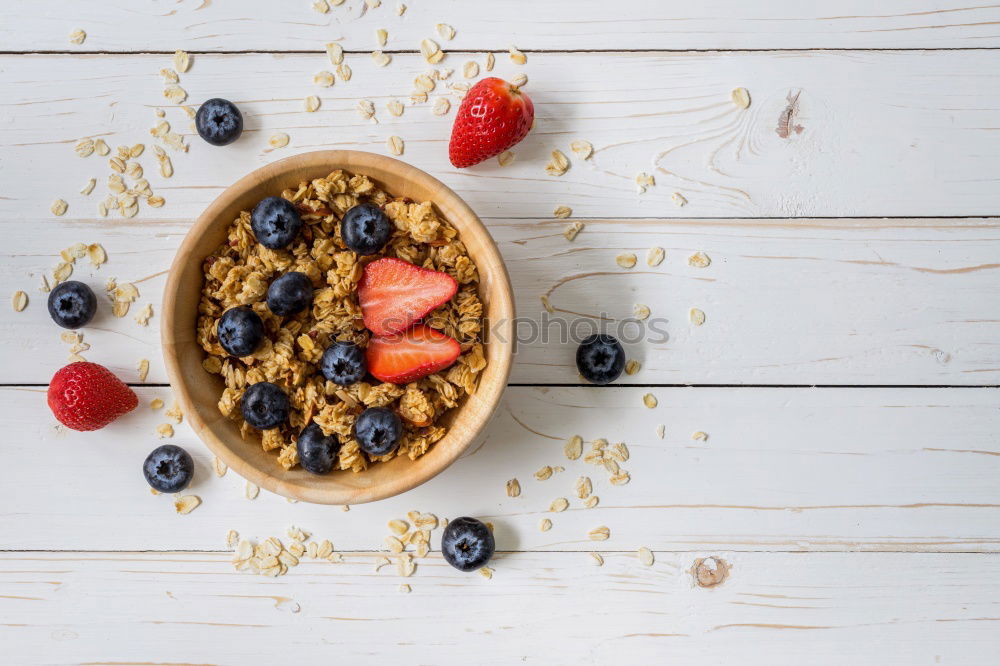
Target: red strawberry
(408, 356)
(394, 293)
(494, 116)
(86, 396)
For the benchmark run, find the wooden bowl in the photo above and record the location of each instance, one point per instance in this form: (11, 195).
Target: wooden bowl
(198, 391)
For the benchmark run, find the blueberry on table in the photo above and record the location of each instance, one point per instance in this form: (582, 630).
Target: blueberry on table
(275, 222)
(365, 229)
(168, 469)
(378, 430)
(219, 122)
(72, 304)
(600, 359)
(467, 544)
(265, 405)
(290, 293)
(240, 331)
(317, 452)
(344, 363)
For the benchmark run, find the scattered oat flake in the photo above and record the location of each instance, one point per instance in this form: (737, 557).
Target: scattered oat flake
(591, 501)
(312, 103)
(545, 525)
(381, 58)
(89, 187)
(661, 430)
(395, 145)
(399, 527)
(572, 230)
(741, 97)
(582, 149)
(400, 9)
(597, 559)
(699, 260)
(505, 158)
(632, 367)
(143, 369)
(182, 61)
(546, 304)
(77, 36)
(446, 31)
(654, 256)
(562, 212)
(486, 572)
(165, 430)
(490, 62)
(145, 315)
(696, 316)
(431, 52)
(544, 473)
(558, 165)
(320, 6)
(645, 556)
(219, 467)
(84, 147)
(641, 311)
(441, 106)
(625, 260)
(251, 491)
(366, 109)
(59, 207)
(381, 36)
(513, 488)
(519, 81)
(232, 538)
(404, 588)
(620, 479)
(169, 75)
(323, 78)
(678, 199)
(559, 504)
(601, 533)
(584, 487)
(19, 301)
(517, 57)
(644, 180)
(649, 400)
(470, 69)
(175, 94)
(335, 52)
(279, 140)
(395, 107)
(573, 447)
(186, 503)
(700, 436)
(101, 148)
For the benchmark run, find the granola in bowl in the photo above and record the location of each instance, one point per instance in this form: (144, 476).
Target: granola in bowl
(239, 272)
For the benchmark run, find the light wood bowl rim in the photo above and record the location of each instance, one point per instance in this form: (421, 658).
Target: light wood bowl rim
(327, 489)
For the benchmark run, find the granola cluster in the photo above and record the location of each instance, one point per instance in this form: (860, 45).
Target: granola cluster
(240, 270)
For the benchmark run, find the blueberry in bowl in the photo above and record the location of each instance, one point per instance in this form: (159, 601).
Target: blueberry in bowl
(365, 228)
(317, 452)
(275, 222)
(240, 331)
(467, 544)
(265, 405)
(344, 363)
(72, 304)
(289, 294)
(168, 469)
(218, 122)
(600, 358)
(378, 430)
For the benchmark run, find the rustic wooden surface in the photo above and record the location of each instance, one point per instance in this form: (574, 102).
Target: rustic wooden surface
(846, 375)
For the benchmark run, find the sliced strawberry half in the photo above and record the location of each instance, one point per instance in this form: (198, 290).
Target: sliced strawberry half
(408, 356)
(394, 293)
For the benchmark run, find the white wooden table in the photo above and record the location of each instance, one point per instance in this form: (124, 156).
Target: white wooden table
(846, 375)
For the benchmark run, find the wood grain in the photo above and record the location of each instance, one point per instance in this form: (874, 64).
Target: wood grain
(141, 25)
(774, 608)
(882, 302)
(782, 469)
(882, 133)
(198, 393)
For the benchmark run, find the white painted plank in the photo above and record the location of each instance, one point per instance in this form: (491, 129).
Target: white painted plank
(882, 133)
(786, 301)
(884, 609)
(138, 25)
(786, 469)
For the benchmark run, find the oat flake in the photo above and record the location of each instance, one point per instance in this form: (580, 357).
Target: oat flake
(251, 491)
(649, 400)
(632, 367)
(584, 487)
(641, 311)
(312, 103)
(582, 149)
(559, 504)
(175, 94)
(490, 62)
(645, 556)
(601, 533)
(573, 447)
(395, 145)
(143, 369)
(654, 256)
(572, 230)
(513, 488)
(323, 78)
(544, 473)
(182, 61)
(519, 81)
(661, 430)
(395, 108)
(558, 165)
(77, 36)
(505, 158)
(279, 140)
(625, 260)
(220, 468)
(678, 199)
(741, 97)
(59, 207)
(545, 525)
(19, 301)
(517, 57)
(696, 316)
(89, 187)
(597, 559)
(381, 58)
(470, 69)
(335, 52)
(699, 260)
(446, 31)
(700, 436)
(187, 503)
(486, 572)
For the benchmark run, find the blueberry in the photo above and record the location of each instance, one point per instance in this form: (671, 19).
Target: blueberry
(219, 122)
(72, 304)
(467, 544)
(168, 468)
(265, 406)
(378, 431)
(275, 222)
(343, 363)
(317, 452)
(290, 293)
(600, 359)
(240, 331)
(365, 229)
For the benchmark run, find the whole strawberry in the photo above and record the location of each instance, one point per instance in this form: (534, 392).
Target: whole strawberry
(494, 116)
(86, 396)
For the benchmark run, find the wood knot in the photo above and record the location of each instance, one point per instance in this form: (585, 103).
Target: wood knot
(710, 571)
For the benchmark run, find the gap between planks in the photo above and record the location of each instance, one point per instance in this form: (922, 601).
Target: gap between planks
(484, 51)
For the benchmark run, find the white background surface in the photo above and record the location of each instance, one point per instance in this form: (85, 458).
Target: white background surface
(846, 374)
